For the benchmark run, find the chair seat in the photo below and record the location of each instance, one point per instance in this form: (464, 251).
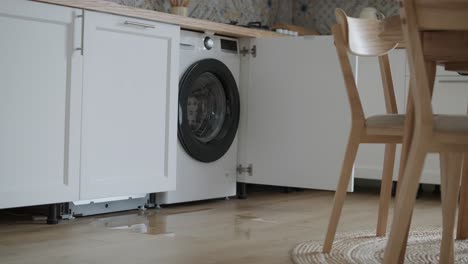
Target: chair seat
(386, 121)
(451, 123)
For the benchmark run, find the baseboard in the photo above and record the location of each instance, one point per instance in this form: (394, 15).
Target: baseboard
(428, 177)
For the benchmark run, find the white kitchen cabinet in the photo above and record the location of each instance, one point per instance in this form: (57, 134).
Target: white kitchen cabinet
(369, 161)
(295, 116)
(40, 93)
(129, 124)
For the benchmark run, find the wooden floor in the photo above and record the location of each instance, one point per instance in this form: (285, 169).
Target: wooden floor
(261, 229)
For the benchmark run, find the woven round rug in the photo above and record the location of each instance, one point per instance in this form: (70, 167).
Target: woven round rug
(365, 247)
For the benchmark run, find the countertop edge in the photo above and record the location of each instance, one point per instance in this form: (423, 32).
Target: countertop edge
(183, 22)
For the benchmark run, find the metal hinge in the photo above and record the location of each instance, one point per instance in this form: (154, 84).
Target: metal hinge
(242, 170)
(253, 51)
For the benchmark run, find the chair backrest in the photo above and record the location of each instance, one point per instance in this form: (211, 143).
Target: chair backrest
(360, 37)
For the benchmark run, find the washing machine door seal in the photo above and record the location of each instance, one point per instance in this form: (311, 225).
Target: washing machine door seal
(208, 110)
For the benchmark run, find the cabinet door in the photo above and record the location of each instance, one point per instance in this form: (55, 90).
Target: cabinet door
(369, 161)
(40, 93)
(129, 127)
(295, 116)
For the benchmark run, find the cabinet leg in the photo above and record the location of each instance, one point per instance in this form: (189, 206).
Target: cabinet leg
(52, 218)
(394, 188)
(288, 189)
(420, 191)
(242, 190)
(151, 203)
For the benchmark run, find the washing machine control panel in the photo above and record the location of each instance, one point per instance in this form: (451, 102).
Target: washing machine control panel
(208, 42)
(229, 45)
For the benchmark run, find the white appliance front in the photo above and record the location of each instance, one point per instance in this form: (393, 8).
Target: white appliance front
(198, 180)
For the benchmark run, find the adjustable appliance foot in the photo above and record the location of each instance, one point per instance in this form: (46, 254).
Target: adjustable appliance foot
(52, 217)
(242, 190)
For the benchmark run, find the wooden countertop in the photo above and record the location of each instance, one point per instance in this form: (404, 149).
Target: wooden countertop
(184, 22)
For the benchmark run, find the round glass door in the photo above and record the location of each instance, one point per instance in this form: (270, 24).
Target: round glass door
(206, 107)
(208, 110)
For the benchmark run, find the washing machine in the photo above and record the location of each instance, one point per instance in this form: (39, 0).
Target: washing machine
(208, 118)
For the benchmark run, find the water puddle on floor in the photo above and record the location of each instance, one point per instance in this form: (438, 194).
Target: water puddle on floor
(150, 222)
(143, 228)
(246, 226)
(255, 219)
(189, 211)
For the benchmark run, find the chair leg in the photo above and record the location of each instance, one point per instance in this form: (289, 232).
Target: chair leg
(405, 148)
(450, 169)
(405, 200)
(341, 190)
(462, 228)
(386, 189)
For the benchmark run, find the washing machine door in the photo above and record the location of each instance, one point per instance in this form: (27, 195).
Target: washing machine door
(208, 110)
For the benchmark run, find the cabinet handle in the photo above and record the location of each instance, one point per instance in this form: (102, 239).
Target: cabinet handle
(82, 32)
(138, 24)
(81, 48)
(453, 81)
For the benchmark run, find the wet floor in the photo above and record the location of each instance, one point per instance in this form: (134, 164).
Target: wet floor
(261, 229)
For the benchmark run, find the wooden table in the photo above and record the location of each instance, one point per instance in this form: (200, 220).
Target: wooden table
(444, 48)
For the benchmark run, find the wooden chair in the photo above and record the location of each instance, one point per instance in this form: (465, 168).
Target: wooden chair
(360, 37)
(444, 134)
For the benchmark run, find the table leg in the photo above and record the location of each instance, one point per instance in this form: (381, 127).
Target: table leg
(407, 139)
(462, 226)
